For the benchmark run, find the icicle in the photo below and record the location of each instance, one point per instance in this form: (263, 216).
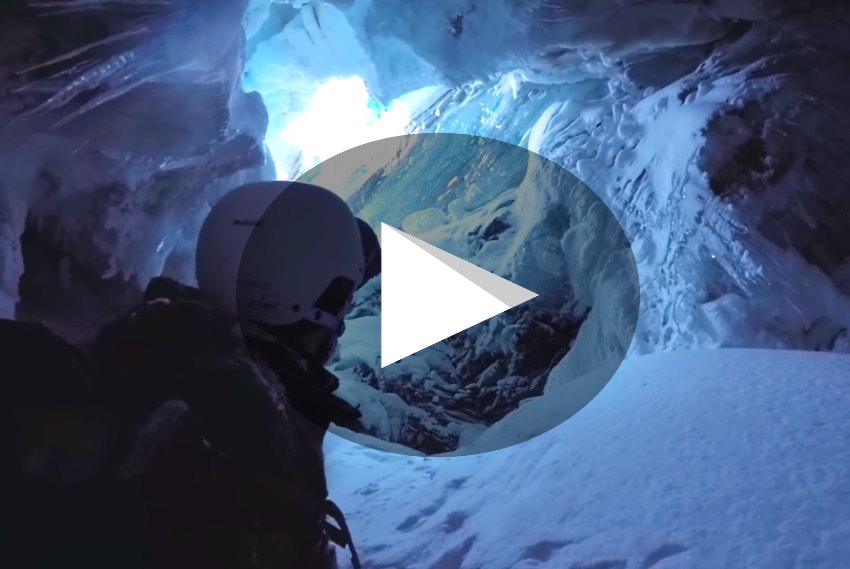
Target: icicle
(112, 94)
(74, 53)
(79, 5)
(85, 81)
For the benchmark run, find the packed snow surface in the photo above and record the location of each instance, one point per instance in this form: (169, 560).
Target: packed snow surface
(705, 459)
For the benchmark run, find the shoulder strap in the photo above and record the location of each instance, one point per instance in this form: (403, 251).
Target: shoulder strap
(40, 371)
(340, 535)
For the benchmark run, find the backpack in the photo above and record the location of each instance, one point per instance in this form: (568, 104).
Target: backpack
(246, 422)
(204, 461)
(54, 447)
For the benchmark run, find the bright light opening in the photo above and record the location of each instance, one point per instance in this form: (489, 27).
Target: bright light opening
(340, 115)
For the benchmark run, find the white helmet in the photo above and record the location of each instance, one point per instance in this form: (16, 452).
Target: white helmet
(281, 252)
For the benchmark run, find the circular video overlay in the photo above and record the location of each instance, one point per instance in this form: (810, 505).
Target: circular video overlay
(507, 298)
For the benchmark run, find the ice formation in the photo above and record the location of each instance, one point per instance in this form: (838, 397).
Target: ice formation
(707, 128)
(115, 148)
(713, 131)
(751, 92)
(699, 125)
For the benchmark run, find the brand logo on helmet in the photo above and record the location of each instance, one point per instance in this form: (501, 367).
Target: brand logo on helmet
(263, 304)
(248, 222)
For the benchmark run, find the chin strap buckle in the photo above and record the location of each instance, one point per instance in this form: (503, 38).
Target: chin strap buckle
(340, 535)
(329, 321)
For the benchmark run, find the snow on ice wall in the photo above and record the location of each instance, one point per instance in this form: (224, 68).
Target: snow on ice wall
(712, 130)
(722, 180)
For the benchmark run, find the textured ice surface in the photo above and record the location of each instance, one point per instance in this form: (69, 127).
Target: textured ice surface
(718, 143)
(718, 172)
(701, 171)
(122, 187)
(713, 142)
(706, 459)
(710, 129)
(717, 132)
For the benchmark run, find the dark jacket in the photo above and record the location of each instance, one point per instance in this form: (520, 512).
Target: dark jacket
(57, 506)
(215, 438)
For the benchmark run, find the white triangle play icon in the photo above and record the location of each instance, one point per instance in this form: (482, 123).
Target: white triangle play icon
(428, 295)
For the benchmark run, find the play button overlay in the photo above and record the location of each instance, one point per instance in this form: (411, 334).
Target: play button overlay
(508, 294)
(428, 295)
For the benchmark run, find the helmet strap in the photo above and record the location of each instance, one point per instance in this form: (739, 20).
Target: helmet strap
(327, 320)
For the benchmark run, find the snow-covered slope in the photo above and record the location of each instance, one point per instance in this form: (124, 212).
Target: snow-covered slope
(692, 460)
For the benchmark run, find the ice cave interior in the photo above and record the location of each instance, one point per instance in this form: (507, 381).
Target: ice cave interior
(715, 133)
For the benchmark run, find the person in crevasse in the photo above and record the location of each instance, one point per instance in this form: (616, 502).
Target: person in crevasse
(205, 408)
